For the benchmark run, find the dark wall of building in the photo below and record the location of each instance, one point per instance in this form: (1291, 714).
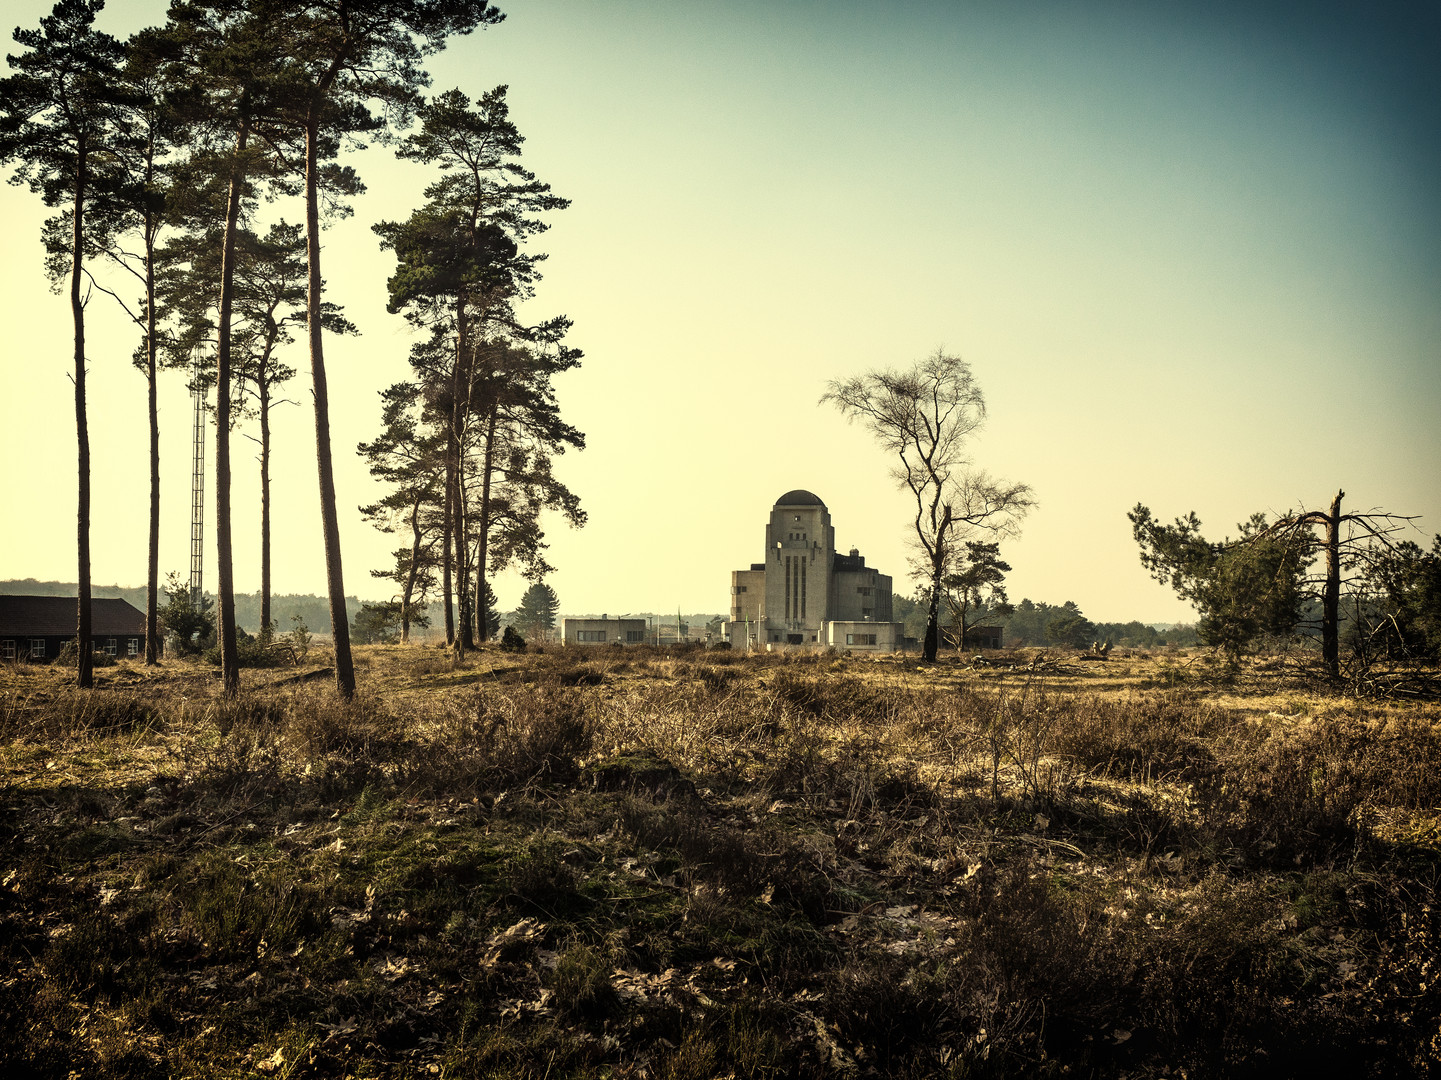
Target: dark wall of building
(12, 648)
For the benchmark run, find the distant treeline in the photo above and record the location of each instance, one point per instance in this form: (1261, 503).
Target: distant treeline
(1032, 621)
(1039, 623)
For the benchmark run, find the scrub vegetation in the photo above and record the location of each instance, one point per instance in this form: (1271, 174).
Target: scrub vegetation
(692, 864)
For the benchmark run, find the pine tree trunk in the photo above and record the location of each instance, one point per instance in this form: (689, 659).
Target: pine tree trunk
(225, 569)
(465, 630)
(462, 571)
(446, 577)
(1331, 592)
(152, 562)
(264, 502)
(409, 589)
(483, 552)
(462, 543)
(85, 658)
(330, 524)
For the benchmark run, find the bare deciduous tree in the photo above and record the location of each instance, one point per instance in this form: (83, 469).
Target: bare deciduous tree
(926, 416)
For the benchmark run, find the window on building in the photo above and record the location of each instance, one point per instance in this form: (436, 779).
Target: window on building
(37, 648)
(795, 587)
(132, 647)
(110, 647)
(864, 590)
(590, 636)
(634, 636)
(860, 639)
(7, 649)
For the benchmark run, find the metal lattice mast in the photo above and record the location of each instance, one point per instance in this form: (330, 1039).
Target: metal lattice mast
(197, 479)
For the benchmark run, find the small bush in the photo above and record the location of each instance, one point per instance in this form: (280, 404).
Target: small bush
(79, 714)
(256, 651)
(1158, 737)
(581, 983)
(530, 733)
(324, 725)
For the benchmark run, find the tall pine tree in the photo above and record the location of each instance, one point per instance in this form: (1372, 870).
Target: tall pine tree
(339, 59)
(462, 269)
(62, 127)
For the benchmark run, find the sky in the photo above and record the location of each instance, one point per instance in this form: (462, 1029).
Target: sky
(1191, 251)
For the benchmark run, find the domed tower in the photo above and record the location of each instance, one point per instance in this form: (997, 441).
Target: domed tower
(800, 548)
(804, 594)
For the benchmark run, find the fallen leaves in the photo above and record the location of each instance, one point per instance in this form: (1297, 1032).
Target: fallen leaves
(391, 968)
(506, 943)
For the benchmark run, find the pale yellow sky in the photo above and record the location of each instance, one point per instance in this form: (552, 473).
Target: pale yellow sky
(1193, 263)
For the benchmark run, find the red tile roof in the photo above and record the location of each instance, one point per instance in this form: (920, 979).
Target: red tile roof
(53, 616)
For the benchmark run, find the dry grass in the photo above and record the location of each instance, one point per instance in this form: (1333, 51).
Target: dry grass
(658, 864)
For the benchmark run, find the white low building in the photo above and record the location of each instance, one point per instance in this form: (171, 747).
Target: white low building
(602, 631)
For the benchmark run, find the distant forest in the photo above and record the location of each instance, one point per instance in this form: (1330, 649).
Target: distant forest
(1039, 623)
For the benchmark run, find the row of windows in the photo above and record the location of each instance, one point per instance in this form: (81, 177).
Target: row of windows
(860, 639)
(632, 637)
(111, 647)
(795, 587)
(796, 536)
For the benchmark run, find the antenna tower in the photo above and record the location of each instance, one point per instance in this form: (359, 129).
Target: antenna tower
(197, 478)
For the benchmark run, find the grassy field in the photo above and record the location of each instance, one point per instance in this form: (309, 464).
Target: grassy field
(635, 864)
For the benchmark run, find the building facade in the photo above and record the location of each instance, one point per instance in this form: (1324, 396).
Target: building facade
(36, 628)
(805, 594)
(602, 631)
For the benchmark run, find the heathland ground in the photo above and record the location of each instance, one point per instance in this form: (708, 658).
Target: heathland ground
(695, 864)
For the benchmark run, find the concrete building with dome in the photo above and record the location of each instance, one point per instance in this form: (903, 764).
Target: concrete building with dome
(805, 594)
